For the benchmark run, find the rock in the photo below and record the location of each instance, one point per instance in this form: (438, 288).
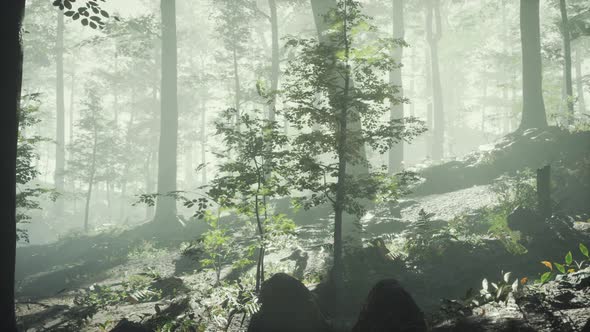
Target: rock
(389, 308)
(526, 221)
(287, 306)
(127, 326)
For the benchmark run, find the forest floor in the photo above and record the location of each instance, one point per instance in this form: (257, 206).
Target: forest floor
(90, 283)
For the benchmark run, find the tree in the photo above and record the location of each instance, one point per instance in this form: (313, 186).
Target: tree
(167, 163)
(315, 97)
(533, 105)
(275, 61)
(10, 98)
(94, 151)
(433, 36)
(244, 183)
(60, 112)
(396, 154)
(567, 56)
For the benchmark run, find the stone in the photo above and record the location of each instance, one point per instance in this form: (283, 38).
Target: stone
(390, 308)
(287, 306)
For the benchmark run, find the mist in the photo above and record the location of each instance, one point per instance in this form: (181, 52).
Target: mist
(297, 165)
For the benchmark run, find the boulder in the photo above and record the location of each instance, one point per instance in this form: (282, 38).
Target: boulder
(287, 306)
(390, 308)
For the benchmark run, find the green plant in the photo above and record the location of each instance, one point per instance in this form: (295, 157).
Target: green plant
(28, 194)
(497, 220)
(426, 238)
(499, 291)
(568, 266)
(136, 289)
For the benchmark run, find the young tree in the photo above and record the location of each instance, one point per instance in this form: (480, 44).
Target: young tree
(533, 105)
(244, 183)
(94, 151)
(167, 163)
(315, 97)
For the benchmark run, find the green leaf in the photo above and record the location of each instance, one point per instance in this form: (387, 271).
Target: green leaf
(568, 258)
(584, 250)
(559, 267)
(545, 277)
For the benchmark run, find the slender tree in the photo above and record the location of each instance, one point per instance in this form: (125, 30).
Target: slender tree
(166, 205)
(533, 105)
(275, 66)
(331, 39)
(579, 82)
(433, 36)
(13, 12)
(396, 153)
(567, 57)
(60, 111)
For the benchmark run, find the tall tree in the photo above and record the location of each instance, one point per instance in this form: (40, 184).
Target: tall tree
(275, 69)
(433, 36)
(580, 82)
(331, 39)
(567, 57)
(533, 105)
(13, 13)
(166, 205)
(396, 153)
(60, 111)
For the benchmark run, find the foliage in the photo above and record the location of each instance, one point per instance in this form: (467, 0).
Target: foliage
(427, 239)
(568, 266)
(28, 194)
(335, 87)
(499, 292)
(90, 13)
(221, 304)
(96, 152)
(136, 289)
(218, 246)
(516, 190)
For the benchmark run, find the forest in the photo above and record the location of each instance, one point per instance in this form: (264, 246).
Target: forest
(295, 165)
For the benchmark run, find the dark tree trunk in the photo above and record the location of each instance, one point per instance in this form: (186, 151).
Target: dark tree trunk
(433, 36)
(533, 106)
(166, 205)
(567, 55)
(60, 113)
(396, 153)
(13, 13)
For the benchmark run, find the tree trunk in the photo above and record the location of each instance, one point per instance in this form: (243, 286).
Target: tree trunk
(275, 69)
(58, 175)
(567, 55)
(396, 153)
(433, 36)
(237, 92)
(13, 13)
(579, 82)
(166, 205)
(91, 177)
(203, 143)
(533, 106)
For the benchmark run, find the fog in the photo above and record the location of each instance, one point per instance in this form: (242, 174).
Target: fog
(178, 158)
